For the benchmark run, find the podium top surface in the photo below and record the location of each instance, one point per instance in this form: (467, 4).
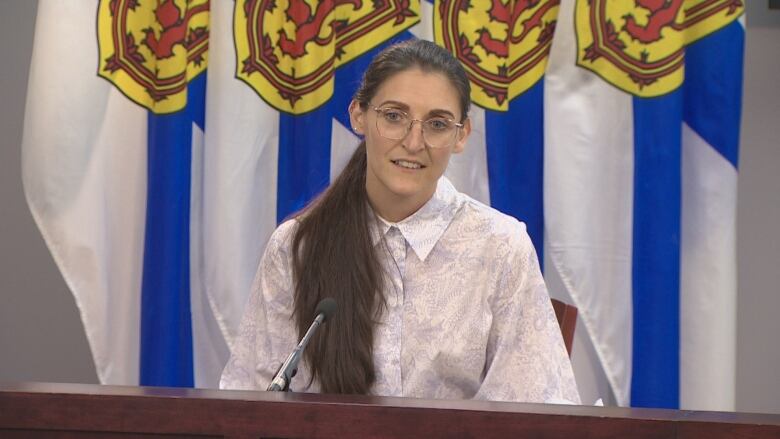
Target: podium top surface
(119, 410)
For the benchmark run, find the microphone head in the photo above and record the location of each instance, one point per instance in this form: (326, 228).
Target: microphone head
(327, 307)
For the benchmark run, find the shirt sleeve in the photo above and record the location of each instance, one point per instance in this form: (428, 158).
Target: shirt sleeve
(526, 357)
(267, 332)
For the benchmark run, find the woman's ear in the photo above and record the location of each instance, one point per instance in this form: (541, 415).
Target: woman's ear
(357, 118)
(463, 135)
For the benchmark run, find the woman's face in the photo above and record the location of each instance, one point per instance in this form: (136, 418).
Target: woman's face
(402, 174)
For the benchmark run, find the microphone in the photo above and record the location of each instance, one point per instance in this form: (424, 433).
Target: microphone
(281, 382)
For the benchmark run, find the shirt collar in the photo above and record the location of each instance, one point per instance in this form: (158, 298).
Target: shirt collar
(423, 229)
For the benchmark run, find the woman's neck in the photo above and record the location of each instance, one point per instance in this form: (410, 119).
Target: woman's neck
(396, 208)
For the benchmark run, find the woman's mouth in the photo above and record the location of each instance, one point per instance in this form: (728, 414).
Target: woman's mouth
(407, 164)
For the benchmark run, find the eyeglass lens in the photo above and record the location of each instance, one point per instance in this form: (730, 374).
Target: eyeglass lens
(438, 132)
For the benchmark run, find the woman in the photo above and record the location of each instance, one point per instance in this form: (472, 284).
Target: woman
(439, 295)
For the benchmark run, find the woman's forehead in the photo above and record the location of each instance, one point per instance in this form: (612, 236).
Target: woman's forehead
(419, 90)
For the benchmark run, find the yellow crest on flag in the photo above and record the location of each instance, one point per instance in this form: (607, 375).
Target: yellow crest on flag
(288, 50)
(639, 45)
(503, 44)
(151, 49)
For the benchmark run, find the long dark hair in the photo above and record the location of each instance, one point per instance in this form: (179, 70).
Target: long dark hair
(332, 250)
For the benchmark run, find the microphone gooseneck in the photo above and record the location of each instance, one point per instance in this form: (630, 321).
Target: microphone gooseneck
(281, 381)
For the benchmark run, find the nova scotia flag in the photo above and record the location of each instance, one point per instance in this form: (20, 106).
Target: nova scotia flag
(165, 139)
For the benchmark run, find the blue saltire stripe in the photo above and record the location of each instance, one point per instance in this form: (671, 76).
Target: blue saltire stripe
(515, 158)
(304, 159)
(166, 322)
(656, 251)
(713, 89)
(304, 140)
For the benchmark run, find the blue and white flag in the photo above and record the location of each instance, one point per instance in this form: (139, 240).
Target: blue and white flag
(164, 141)
(642, 113)
(113, 131)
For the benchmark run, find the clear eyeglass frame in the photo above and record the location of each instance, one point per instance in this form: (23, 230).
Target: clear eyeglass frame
(436, 139)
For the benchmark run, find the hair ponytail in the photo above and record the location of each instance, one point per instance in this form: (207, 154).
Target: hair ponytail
(333, 256)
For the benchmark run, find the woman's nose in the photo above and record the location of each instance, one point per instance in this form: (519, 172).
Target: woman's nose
(414, 140)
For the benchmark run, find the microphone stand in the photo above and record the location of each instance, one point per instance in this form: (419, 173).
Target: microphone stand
(288, 369)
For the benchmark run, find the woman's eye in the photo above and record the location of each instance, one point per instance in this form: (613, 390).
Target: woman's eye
(394, 116)
(439, 124)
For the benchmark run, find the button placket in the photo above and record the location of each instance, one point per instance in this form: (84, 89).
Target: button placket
(397, 246)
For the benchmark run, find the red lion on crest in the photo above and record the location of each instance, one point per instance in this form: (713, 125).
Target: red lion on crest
(308, 25)
(662, 14)
(509, 15)
(174, 28)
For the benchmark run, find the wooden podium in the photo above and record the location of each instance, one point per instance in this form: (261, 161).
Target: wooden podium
(73, 410)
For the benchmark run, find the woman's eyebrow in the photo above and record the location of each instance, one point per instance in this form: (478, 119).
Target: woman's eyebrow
(404, 107)
(441, 112)
(398, 104)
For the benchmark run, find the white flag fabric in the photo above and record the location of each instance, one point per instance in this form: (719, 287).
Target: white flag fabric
(83, 162)
(164, 140)
(114, 118)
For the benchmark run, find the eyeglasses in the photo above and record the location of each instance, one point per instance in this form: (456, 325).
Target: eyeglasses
(438, 132)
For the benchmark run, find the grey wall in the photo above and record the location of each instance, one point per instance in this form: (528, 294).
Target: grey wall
(758, 218)
(41, 337)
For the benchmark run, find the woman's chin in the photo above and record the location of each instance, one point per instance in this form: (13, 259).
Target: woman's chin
(401, 191)
(411, 191)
